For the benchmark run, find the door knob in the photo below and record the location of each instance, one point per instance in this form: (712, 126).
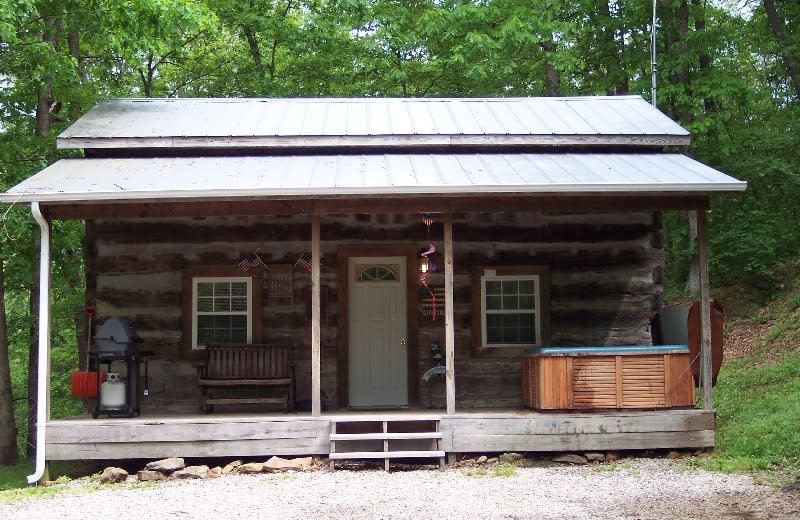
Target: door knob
(403, 341)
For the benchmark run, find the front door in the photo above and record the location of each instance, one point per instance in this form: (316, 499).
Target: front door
(378, 332)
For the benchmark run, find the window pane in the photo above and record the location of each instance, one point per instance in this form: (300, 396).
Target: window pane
(511, 334)
(510, 286)
(238, 304)
(222, 304)
(205, 322)
(222, 336)
(222, 322)
(239, 289)
(239, 336)
(494, 320)
(492, 287)
(205, 336)
(527, 302)
(493, 303)
(205, 304)
(205, 288)
(510, 302)
(527, 287)
(511, 320)
(527, 331)
(239, 322)
(222, 288)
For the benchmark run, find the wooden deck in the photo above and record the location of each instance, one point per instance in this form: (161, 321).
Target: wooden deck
(479, 431)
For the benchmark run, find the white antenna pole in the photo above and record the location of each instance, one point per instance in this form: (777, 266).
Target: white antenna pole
(653, 65)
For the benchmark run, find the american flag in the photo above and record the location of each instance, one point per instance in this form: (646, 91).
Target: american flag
(304, 262)
(250, 261)
(427, 220)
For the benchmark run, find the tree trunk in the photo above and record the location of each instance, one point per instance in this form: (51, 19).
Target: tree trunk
(552, 79)
(73, 40)
(692, 287)
(33, 362)
(709, 103)
(8, 431)
(788, 52)
(44, 96)
(254, 50)
(616, 77)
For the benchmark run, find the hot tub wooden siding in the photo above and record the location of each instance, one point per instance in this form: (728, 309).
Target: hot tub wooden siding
(584, 381)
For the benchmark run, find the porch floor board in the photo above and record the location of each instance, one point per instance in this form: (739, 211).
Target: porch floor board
(157, 435)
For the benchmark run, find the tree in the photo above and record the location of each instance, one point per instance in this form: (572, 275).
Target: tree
(8, 432)
(789, 45)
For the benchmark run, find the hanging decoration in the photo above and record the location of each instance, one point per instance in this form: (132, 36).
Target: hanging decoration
(250, 261)
(427, 265)
(303, 262)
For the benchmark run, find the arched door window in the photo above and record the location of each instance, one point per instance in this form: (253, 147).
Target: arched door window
(377, 273)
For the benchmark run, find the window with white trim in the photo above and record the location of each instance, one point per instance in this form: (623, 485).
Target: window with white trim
(511, 307)
(509, 313)
(222, 309)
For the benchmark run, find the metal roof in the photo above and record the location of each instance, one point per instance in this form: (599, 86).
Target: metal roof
(135, 123)
(117, 179)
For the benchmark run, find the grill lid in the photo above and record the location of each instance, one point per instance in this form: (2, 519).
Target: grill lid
(117, 330)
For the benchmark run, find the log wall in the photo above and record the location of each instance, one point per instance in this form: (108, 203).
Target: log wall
(605, 274)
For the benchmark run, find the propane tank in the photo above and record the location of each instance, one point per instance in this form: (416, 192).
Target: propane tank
(112, 391)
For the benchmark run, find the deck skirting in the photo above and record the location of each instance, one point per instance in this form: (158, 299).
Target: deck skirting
(295, 435)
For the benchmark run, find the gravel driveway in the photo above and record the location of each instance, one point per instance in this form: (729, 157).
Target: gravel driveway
(632, 488)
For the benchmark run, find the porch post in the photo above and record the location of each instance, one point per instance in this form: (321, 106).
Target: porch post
(449, 328)
(43, 381)
(315, 318)
(705, 310)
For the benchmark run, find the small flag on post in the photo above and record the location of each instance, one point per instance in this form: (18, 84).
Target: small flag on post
(250, 261)
(304, 262)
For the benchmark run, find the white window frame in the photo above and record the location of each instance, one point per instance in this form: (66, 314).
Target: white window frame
(491, 275)
(229, 279)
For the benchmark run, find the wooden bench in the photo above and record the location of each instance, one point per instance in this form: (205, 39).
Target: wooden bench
(243, 372)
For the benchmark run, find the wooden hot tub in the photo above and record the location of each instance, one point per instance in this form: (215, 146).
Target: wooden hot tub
(581, 378)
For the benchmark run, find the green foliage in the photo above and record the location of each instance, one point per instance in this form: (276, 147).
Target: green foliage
(504, 470)
(758, 402)
(15, 477)
(758, 410)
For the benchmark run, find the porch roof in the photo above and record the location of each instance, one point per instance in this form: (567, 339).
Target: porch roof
(391, 175)
(372, 122)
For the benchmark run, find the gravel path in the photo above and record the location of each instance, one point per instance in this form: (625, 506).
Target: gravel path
(633, 488)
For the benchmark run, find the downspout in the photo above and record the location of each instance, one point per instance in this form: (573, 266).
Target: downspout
(43, 397)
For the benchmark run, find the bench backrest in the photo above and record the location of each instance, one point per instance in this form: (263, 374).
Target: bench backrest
(249, 361)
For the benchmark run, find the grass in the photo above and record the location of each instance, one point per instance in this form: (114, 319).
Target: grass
(504, 468)
(15, 477)
(758, 413)
(12, 477)
(758, 397)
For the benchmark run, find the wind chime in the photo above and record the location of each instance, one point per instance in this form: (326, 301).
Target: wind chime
(427, 265)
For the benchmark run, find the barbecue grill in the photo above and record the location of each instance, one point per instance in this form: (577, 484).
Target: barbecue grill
(118, 341)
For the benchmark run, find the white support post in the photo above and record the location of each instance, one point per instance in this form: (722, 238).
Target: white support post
(43, 381)
(449, 327)
(315, 318)
(705, 310)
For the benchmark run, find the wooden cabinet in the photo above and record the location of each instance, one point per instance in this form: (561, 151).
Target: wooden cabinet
(584, 378)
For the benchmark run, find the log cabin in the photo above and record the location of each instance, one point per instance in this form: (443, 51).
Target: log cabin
(449, 275)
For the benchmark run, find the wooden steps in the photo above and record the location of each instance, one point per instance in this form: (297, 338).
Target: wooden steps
(402, 437)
